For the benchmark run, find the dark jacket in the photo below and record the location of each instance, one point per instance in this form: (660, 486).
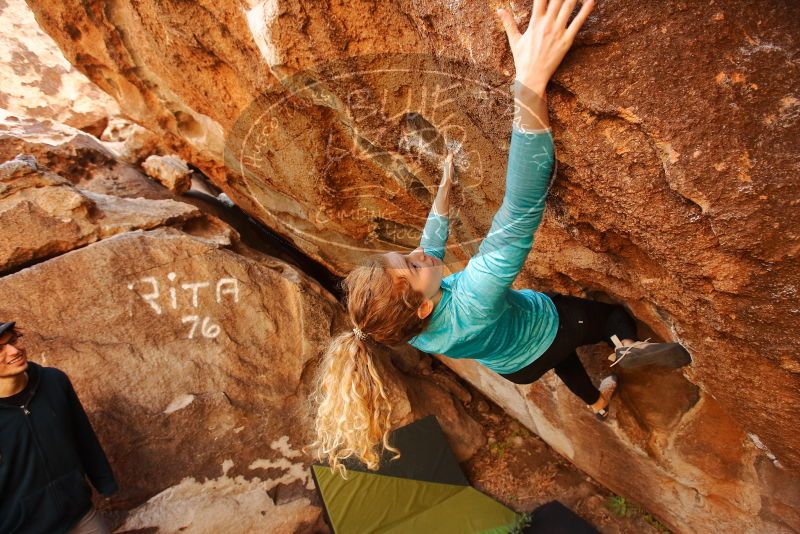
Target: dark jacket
(46, 449)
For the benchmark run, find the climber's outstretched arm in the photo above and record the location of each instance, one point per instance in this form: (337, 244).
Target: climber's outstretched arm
(434, 235)
(482, 286)
(538, 52)
(491, 271)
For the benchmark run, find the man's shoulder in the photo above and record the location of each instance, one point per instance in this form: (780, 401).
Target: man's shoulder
(49, 374)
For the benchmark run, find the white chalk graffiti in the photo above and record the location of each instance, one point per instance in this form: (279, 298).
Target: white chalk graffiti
(206, 329)
(226, 289)
(151, 297)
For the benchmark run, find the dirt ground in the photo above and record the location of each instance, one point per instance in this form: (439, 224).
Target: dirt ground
(520, 470)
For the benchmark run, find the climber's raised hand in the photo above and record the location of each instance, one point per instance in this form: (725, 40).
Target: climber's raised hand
(449, 172)
(538, 52)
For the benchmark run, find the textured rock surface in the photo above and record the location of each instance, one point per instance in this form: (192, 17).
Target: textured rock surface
(193, 353)
(44, 215)
(181, 391)
(676, 127)
(665, 438)
(39, 82)
(170, 171)
(75, 155)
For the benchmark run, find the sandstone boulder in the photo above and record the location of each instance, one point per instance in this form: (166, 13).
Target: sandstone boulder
(39, 82)
(190, 361)
(676, 128)
(43, 215)
(170, 171)
(75, 155)
(666, 437)
(131, 142)
(193, 354)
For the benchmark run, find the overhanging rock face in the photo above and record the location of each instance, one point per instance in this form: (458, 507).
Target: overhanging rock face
(676, 128)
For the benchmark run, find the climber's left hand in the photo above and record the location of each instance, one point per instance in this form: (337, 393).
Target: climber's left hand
(449, 173)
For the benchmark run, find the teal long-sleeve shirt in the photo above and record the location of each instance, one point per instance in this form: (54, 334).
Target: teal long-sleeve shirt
(479, 316)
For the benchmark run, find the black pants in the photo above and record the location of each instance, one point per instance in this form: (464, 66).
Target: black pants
(581, 322)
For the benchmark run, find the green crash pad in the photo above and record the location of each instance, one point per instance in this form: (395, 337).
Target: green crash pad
(367, 502)
(424, 455)
(424, 490)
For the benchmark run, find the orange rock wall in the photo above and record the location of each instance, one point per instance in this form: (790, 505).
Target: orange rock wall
(676, 128)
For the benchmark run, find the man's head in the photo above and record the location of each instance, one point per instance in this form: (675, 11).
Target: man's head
(13, 360)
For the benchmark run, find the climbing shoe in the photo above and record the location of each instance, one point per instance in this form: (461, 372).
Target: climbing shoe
(607, 388)
(642, 353)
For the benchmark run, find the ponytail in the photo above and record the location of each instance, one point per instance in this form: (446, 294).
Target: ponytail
(354, 411)
(353, 407)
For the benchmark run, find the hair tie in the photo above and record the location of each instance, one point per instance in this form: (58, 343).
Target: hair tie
(361, 335)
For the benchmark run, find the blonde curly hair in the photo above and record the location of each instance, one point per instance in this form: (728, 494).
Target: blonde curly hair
(353, 410)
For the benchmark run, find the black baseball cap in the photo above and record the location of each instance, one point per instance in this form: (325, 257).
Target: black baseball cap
(6, 326)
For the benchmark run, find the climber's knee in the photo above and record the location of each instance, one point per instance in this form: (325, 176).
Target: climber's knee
(623, 324)
(526, 375)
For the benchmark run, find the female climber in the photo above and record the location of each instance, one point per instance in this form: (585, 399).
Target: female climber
(399, 298)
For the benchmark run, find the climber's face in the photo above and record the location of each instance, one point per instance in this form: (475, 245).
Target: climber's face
(423, 272)
(13, 359)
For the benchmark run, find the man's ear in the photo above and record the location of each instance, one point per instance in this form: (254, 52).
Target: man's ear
(425, 309)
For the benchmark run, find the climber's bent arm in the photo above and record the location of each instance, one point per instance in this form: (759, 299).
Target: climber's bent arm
(434, 235)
